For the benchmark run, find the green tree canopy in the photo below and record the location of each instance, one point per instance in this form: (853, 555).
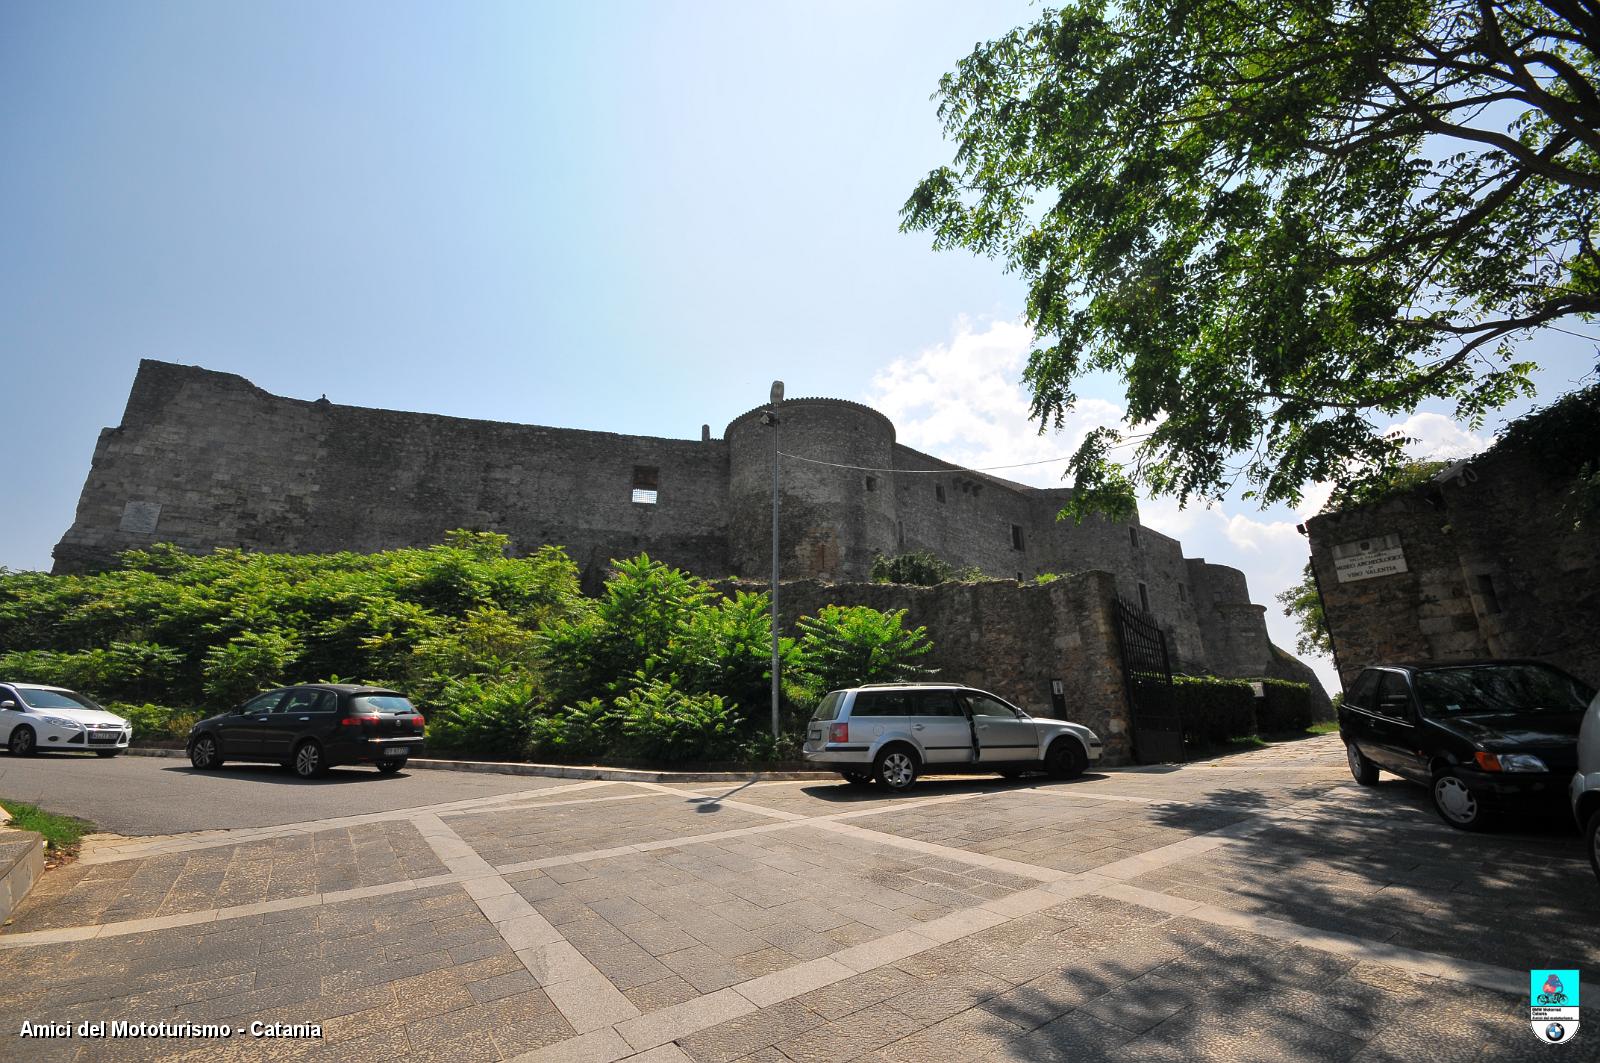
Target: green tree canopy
(1302, 604)
(1280, 222)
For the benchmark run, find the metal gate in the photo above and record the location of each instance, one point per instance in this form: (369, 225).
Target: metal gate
(1147, 674)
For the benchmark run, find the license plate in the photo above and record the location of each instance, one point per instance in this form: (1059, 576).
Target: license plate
(107, 739)
(396, 751)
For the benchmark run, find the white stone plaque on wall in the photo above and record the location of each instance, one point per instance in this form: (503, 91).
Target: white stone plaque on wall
(1369, 558)
(141, 518)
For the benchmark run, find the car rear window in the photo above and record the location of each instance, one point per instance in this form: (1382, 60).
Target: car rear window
(391, 704)
(829, 709)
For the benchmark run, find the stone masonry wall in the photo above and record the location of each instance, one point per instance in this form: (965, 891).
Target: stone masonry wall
(206, 459)
(1009, 639)
(1493, 570)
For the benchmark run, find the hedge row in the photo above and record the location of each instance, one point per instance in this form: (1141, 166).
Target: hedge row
(1286, 708)
(1215, 710)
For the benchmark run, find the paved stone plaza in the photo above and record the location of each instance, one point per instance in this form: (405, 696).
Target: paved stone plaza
(1256, 907)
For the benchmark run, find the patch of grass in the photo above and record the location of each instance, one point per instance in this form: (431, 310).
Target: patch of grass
(1324, 727)
(62, 832)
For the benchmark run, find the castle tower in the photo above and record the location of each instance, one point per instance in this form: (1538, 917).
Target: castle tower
(831, 520)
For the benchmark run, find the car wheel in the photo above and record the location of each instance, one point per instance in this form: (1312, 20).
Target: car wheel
(308, 761)
(857, 778)
(107, 752)
(203, 754)
(1593, 831)
(23, 742)
(1365, 772)
(896, 769)
(1455, 803)
(1065, 759)
(389, 767)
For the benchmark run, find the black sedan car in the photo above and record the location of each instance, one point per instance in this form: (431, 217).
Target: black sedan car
(311, 728)
(1480, 735)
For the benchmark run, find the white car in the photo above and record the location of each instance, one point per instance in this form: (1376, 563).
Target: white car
(36, 717)
(1585, 790)
(894, 732)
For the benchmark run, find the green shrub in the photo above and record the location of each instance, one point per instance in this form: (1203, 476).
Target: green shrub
(1214, 710)
(726, 649)
(591, 728)
(595, 651)
(174, 628)
(247, 664)
(919, 568)
(484, 715)
(156, 723)
(122, 670)
(1285, 707)
(662, 724)
(848, 645)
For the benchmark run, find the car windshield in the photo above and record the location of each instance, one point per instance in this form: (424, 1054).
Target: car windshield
(1499, 688)
(829, 709)
(39, 698)
(393, 704)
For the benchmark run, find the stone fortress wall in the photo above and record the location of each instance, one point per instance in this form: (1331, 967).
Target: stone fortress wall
(205, 459)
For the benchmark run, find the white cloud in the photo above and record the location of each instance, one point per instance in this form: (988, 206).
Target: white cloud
(1434, 436)
(963, 401)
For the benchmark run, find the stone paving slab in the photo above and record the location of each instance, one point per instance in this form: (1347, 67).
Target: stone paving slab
(1059, 832)
(521, 834)
(1098, 980)
(1533, 896)
(418, 975)
(669, 924)
(227, 876)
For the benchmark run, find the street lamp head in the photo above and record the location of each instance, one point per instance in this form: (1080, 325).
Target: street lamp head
(769, 418)
(777, 391)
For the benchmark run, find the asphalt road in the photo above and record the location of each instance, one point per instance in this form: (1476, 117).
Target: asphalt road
(136, 795)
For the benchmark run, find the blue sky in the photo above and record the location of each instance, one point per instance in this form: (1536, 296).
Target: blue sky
(629, 217)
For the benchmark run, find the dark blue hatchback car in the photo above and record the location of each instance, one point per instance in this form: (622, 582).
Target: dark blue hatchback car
(311, 728)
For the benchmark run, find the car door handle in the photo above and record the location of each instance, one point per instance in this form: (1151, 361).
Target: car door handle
(983, 727)
(303, 718)
(917, 726)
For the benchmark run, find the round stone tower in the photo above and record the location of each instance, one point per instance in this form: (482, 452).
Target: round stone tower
(832, 520)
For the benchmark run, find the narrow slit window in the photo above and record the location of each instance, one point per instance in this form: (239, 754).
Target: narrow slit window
(1144, 597)
(1016, 537)
(938, 491)
(1183, 593)
(1133, 536)
(1491, 600)
(646, 483)
(872, 483)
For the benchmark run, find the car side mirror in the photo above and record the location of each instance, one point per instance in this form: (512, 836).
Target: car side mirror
(8, 704)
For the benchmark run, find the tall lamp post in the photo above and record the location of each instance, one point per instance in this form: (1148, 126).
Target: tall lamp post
(770, 419)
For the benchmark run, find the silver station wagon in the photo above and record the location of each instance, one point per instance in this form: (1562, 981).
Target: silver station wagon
(894, 733)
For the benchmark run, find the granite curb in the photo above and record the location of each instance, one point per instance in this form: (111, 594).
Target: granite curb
(567, 771)
(21, 864)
